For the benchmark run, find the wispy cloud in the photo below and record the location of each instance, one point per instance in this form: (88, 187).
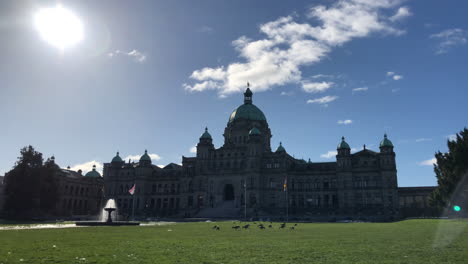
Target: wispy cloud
(193, 149)
(135, 55)
(449, 39)
(403, 12)
(320, 76)
(394, 76)
(205, 29)
(87, 166)
(287, 93)
(316, 87)
(153, 156)
(360, 89)
(288, 46)
(323, 100)
(330, 154)
(345, 122)
(452, 137)
(429, 162)
(423, 139)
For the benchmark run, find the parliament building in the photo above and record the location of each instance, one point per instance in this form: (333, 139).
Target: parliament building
(245, 177)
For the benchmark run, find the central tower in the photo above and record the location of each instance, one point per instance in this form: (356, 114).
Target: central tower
(247, 124)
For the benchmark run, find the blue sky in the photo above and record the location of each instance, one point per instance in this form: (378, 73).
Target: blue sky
(151, 75)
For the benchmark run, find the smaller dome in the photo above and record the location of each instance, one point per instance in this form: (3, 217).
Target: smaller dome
(117, 158)
(145, 157)
(280, 148)
(343, 144)
(254, 131)
(386, 142)
(206, 135)
(93, 173)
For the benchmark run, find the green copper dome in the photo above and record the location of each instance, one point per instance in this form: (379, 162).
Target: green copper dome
(254, 131)
(145, 157)
(206, 135)
(93, 173)
(247, 111)
(386, 142)
(280, 148)
(117, 158)
(343, 144)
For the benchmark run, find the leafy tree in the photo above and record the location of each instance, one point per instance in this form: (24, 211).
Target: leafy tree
(451, 171)
(30, 187)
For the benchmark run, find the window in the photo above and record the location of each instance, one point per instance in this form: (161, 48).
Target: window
(190, 201)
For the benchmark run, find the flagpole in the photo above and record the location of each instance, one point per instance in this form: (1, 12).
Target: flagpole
(133, 203)
(287, 205)
(245, 199)
(285, 189)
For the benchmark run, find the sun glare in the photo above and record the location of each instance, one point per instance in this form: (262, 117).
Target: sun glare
(59, 26)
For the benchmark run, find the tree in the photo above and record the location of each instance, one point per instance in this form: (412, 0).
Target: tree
(451, 172)
(30, 187)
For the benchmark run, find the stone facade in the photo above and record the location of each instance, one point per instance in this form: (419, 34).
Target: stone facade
(244, 177)
(414, 201)
(79, 195)
(2, 193)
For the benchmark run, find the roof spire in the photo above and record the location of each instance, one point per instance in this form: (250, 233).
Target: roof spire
(248, 95)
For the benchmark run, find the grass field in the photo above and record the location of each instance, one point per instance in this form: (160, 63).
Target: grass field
(412, 241)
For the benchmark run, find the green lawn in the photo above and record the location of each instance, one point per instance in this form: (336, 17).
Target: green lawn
(412, 241)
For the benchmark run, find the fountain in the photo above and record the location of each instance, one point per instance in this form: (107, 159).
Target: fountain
(108, 208)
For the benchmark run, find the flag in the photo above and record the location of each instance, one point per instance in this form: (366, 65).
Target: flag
(285, 184)
(132, 190)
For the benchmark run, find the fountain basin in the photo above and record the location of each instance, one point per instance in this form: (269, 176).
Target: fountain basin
(113, 223)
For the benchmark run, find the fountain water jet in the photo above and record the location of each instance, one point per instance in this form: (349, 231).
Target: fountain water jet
(108, 208)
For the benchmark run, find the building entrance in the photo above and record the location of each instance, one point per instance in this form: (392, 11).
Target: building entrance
(228, 192)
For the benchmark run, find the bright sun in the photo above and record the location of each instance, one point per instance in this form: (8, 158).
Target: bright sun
(59, 26)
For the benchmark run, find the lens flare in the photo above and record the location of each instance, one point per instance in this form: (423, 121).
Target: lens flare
(59, 26)
(457, 208)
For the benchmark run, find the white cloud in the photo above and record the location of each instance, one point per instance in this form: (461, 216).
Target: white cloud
(403, 12)
(360, 89)
(136, 158)
(390, 73)
(322, 100)
(288, 46)
(88, 166)
(394, 90)
(397, 77)
(450, 38)
(429, 162)
(193, 149)
(452, 137)
(423, 139)
(136, 55)
(330, 154)
(345, 122)
(316, 87)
